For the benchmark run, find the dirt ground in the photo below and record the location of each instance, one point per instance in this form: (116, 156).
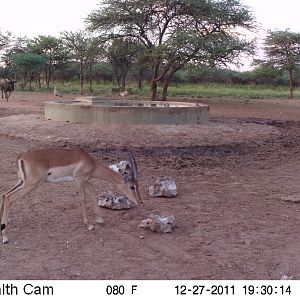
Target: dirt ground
(230, 220)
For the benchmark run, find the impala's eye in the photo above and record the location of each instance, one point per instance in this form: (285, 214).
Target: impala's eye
(132, 187)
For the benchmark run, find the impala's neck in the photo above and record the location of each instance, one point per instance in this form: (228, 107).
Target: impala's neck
(103, 172)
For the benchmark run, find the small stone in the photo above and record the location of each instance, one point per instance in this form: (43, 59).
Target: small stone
(292, 198)
(141, 237)
(248, 242)
(286, 277)
(99, 220)
(110, 200)
(156, 223)
(163, 187)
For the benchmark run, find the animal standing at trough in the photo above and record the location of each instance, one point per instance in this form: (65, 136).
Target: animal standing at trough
(7, 86)
(63, 165)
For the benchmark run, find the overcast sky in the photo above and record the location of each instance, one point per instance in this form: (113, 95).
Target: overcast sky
(32, 17)
(37, 17)
(274, 14)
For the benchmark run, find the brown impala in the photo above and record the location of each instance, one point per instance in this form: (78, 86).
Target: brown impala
(62, 165)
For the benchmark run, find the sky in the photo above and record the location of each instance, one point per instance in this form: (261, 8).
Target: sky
(275, 14)
(37, 17)
(33, 17)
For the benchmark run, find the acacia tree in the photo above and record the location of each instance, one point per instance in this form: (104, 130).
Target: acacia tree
(53, 51)
(175, 32)
(282, 49)
(15, 46)
(121, 54)
(84, 49)
(93, 55)
(27, 65)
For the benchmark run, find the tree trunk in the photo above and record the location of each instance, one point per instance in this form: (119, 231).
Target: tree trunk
(39, 80)
(81, 79)
(154, 82)
(153, 89)
(165, 88)
(118, 79)
(123, 87)
(81, 84)
(47, 76)
(140, 79)
(90, 80)
(23, 83)
(291, 83)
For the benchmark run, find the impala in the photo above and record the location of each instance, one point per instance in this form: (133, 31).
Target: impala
(62, 165)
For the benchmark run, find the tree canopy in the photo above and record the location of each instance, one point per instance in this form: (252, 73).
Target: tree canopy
(84, 49)
(27, 65)
(175, 32)
(282, 49)
(52, 49)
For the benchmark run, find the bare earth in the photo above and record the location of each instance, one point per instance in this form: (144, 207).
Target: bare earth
(230, 220)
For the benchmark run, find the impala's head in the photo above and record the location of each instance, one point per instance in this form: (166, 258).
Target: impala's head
(131, 181)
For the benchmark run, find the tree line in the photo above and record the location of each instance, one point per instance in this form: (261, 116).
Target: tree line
(160, 41)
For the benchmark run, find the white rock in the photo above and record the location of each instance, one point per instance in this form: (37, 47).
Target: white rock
(156, 223)
(163, 187)
(292, 198)
(110, 200)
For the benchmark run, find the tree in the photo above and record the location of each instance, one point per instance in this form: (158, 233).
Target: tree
(265, 72)
(94, 52)
(282, 49)
(53, 51)
(16, 45)
(121, 54)
(84, 49)
(141, 64)
(102, 71)
(26, 66)
(5, 39)
(174, 32)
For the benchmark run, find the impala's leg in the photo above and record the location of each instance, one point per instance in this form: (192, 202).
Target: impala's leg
(98, 219)
(16, 186)
(82, 195)
(19, 190)
(1, 210)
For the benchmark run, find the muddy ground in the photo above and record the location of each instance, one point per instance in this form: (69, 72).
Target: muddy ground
(230, 220)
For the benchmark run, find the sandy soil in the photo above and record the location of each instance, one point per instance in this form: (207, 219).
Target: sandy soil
(230, 220)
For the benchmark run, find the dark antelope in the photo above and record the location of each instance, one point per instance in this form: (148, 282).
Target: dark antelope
(7, 86)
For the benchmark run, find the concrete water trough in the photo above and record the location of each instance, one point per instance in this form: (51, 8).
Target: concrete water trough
(103, 111)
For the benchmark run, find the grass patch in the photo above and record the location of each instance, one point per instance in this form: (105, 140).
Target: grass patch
(190, 90)
(233, 91)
